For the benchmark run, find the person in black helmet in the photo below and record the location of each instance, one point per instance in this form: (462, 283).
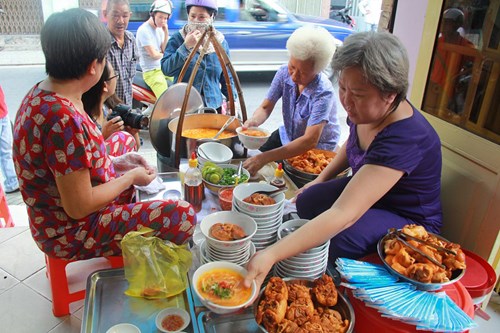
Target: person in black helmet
(151, 39)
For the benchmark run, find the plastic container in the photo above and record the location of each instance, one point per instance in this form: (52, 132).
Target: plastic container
(193, 184)
(479, 278)
(369, 320)
(279, 179)
(226, 198)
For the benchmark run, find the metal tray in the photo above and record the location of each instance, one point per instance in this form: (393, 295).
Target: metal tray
(209, 322)
(173, 188)
(106, 305)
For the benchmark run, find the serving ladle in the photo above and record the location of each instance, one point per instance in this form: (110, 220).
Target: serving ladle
(226, 125)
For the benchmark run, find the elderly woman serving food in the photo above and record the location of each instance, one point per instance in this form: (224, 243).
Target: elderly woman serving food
(394, 153)
(309, 101)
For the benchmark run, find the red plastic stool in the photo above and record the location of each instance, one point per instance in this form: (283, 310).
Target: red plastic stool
(4, 210)
(61, 296)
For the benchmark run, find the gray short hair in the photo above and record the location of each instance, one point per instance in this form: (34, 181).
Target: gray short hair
(312, 43)
(382, 58)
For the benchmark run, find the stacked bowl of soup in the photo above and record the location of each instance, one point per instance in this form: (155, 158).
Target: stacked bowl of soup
(266, 211)
(227, 237)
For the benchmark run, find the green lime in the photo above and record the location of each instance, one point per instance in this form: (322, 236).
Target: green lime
(214, 178)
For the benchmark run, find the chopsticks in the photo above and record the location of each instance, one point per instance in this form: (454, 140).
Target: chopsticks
(398, 235)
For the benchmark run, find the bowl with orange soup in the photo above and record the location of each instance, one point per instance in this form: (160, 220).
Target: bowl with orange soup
(219, 286)
(253, 137)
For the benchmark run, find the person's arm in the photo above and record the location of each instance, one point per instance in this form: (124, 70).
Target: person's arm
(174, 56)
(369, 184)
(260, 114)
(165, 37)
(296, 147)
(79, 198)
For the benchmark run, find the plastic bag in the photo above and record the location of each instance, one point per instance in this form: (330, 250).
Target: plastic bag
(154, 268)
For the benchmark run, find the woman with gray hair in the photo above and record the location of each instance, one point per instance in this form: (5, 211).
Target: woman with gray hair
(309, 101)
(394, 154)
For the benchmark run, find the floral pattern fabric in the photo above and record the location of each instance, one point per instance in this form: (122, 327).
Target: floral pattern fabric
(52, 138)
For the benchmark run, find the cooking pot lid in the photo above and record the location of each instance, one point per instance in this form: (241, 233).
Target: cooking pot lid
(167, 107)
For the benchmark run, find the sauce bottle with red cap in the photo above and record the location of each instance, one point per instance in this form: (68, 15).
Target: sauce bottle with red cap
(193, 184)
(278, 179)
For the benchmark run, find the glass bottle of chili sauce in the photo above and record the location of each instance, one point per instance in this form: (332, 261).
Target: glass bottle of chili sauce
(193, 184)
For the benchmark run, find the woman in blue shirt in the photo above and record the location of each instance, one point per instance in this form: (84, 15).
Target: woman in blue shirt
(309, 101)
(209, 79)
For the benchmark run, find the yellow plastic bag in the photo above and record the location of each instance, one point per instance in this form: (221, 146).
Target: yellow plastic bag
(154, 268)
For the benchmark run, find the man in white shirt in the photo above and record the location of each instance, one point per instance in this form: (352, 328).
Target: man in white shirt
(371, 10)
(151, 39)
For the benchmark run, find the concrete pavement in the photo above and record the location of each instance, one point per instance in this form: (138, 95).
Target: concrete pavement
(20, 50)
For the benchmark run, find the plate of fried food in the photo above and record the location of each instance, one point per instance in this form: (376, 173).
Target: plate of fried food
(422, 258)
(307, 166)
(303, 305)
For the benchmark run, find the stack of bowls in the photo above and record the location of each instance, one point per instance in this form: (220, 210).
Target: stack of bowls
(268, 218)
(235, 251)
(309, 264)
(214, 152)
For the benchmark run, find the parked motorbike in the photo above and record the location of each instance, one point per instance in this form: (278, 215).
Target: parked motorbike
(342, 15)
(143, 97)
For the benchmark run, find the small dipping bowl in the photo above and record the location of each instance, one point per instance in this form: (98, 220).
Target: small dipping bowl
(177, 317)
(123, 328)
(226, 198)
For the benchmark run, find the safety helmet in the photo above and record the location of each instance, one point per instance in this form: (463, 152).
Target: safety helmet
(454, 14)
(163, 6)
(212, 4)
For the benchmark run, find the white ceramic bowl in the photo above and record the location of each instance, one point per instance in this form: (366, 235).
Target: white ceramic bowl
(290, 226)
(244, 221)
(250, 141)
(220, 309)
(243, 191)
(214, 188)
(214, 152)
(123, 328)
(172, 311)
(275, 214)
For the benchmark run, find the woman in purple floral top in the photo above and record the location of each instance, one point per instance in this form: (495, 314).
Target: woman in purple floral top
(309, 101)
(394, 153)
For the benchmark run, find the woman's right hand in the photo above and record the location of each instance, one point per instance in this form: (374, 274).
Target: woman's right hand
(250, 123)
(303, 188)
(142, 176)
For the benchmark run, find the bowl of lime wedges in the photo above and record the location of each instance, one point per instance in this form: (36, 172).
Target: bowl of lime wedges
(217, 176)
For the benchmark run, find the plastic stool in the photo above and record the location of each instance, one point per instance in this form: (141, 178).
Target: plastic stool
(56, 273)
(4, 210)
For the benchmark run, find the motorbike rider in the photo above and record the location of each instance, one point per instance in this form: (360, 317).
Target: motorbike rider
(151, 39)
(209, 79)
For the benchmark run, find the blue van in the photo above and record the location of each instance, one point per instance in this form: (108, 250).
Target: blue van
(256, 30)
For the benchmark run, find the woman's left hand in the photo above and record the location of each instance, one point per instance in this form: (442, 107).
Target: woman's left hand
(258, 267)
(253, 164)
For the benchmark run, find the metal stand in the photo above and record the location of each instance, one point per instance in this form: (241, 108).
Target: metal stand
(225, 64)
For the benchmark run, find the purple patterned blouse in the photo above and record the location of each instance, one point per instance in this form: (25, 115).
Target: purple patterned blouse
(316, 104)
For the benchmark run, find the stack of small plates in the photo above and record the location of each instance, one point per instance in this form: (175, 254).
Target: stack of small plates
(309, 264)
(236, 251)
(239, 257)
(268, 217)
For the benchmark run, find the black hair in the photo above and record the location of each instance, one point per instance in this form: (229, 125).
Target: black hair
(71, 40)
(91, 99)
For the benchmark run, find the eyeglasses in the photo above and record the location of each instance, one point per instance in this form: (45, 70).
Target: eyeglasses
(112, 77)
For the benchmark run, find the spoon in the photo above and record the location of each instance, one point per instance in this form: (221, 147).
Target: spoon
(205, 155)
(228, 122)
(288, 231)
(238, 173)
(271, 193)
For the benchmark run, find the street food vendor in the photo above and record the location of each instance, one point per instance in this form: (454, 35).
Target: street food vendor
(309, 103)
(79, 206)
(394, 153)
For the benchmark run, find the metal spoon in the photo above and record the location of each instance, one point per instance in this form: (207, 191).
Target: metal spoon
(228, 122)
(205, 155)
(271, 193)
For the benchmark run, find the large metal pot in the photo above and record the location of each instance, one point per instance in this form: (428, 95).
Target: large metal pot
(205, 120)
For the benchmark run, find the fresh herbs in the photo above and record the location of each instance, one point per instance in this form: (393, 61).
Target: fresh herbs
(221, 176)
(221, 289)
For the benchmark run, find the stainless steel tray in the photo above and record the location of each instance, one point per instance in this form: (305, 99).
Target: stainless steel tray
(209, 322)
(173, 186)
(106, 305)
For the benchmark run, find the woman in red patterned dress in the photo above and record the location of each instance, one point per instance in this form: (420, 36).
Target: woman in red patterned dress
(77, 207)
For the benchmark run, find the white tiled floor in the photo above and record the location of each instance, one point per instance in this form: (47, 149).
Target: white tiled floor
(25, 299)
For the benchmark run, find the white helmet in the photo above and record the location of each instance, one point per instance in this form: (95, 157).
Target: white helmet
(163, 6)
